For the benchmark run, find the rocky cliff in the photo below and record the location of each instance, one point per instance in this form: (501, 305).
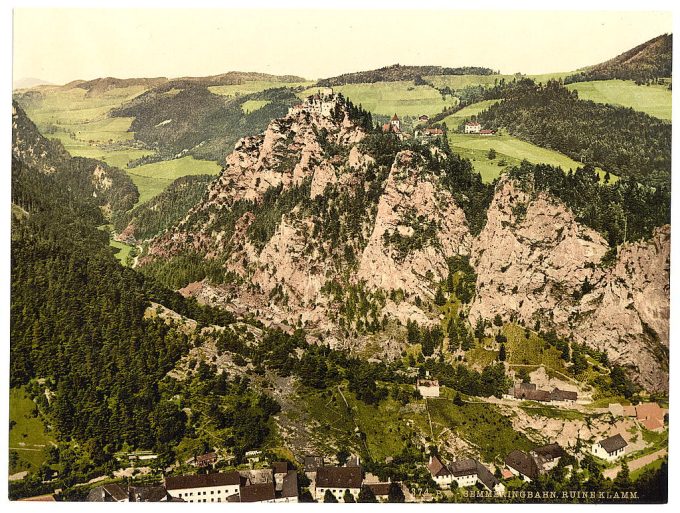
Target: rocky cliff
(535, 262)
(311, 226)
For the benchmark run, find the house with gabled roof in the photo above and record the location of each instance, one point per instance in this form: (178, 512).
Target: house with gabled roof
(205, 487)
(440, 473)
(337, 480)
(466, 472)
(610, 449)
(522, 465)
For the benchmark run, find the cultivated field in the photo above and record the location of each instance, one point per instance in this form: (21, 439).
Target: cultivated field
(152, 179)
(654, 100)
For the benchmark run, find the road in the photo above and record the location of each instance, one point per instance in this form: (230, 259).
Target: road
(636, 463)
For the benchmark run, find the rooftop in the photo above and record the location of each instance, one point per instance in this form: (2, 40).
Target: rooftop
(613, 443)
(339, 477)
(202, 480)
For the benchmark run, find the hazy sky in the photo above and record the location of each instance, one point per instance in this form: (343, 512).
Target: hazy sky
(63, 45)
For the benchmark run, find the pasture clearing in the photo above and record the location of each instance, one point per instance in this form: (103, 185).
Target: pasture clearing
(152, 179)
(654, 100)
(28, 436)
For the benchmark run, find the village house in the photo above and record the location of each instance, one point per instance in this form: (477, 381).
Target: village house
(487, 132)
(259, 492)
(610, 449)
(108, 493)
(338, 480)
(380, 490)
(117, 493)
(439, 472)
(423, 118)
(428, 387)
(472, 127)
(650, 416)
(204, 460)
(528, 466)
(522, 465)
(205, 487)
(465, 473)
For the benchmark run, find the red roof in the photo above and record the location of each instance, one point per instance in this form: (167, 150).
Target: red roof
(472, 123)
(395, 117)
(487, 132)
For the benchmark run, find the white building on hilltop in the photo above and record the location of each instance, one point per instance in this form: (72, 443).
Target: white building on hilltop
(322, 103)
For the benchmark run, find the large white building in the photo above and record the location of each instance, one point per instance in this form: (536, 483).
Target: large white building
(204, 487)
(464, 473)
(472, 127)
(610, 449)
(338, 480)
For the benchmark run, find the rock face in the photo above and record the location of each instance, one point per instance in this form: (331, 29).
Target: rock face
(411, 202)
(357, 232)
(534, 262)
(627, 313)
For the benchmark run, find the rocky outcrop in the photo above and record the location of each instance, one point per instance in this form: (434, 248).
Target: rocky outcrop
(532, 257)
(627, 313)
(400, 254)
(535, 262)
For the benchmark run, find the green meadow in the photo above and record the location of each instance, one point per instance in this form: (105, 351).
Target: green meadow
(386, 98)
(510, 151)
(654, 100)
(252, 105)
(461, 81)
(253, 87)
(152, 179)
(27, 435)
(457, 118)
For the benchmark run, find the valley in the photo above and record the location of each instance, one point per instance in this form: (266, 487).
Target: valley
(402, 270)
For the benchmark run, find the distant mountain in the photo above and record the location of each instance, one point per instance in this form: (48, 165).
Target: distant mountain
(99, 85)
(397, 72)
(648, 61)
(27, 82)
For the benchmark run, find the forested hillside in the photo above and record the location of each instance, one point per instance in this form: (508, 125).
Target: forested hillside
(198, 122)
(644, 63)
(77, 320)
(106, 186)
(619, 140)
(397, 73)
(152, 217)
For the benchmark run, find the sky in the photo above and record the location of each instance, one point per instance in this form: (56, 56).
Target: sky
(60, 45)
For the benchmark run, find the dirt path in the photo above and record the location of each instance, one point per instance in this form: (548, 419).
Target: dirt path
(636, 463)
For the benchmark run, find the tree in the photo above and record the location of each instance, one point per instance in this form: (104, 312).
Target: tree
(348, 497)
(342, 455)
(622, 481)
(491, 154)
(306, 496)
(501, 353)
(439, 298)
(329, 497)
(458, 400)
(395, 493)
(366, 495)
(498, 320)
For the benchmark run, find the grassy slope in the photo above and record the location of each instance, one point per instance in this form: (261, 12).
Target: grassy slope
(456, 119)
(386, 98)
(461, 81)
(507, 147)
(152, 179)
(654, 100)
(253, 87)
(28, 437)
